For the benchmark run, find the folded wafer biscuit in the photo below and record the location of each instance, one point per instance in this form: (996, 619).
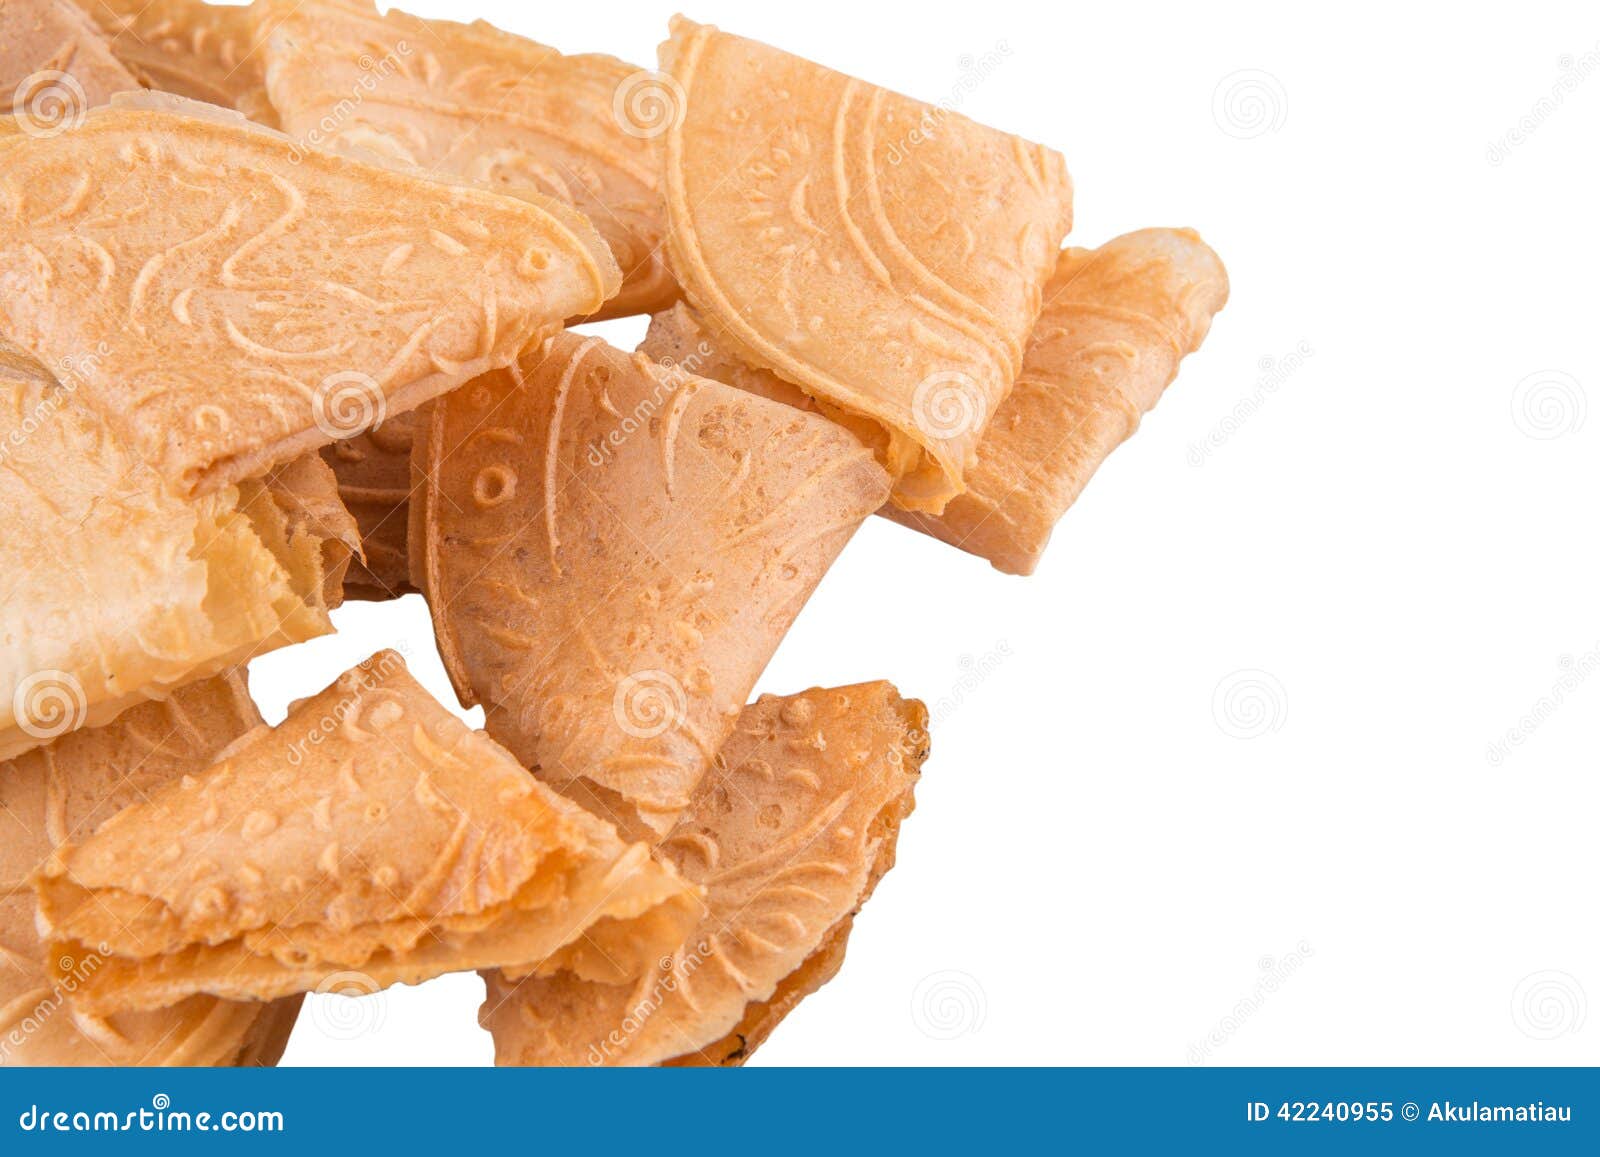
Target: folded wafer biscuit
(315, 518)
(374, 474)
(483, 104)
(64, 792)
(198, 50)
(54, 65)
(884, 255)
(112, 589)
(250, 302)
(612, 553)
(1117, 321)
(789, 836)
(371, 831)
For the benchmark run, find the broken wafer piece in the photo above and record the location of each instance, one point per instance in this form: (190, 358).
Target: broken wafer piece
(374, 474)
(198, 50)
(480, 103)
(316, 519)
(254, 302)
(54, 65)
(789, 836)
(1117, 321)
(885, 255)
(371, 831)
(112, 589)
(64, 792)
(612, 553)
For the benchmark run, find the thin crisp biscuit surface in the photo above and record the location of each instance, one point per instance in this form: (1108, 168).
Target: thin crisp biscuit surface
(370, 832)
(65, 792)
(483, 104)
(246, 301)
(789, 836)
(891, 272)
(612, 553)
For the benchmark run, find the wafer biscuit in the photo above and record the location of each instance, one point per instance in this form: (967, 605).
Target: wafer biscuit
(54, 65)
(371, 831)
(252, 303)
(374, 474)
(64, 792)
(884, 255)
(789, 836)
(612, 552)
(483, 104)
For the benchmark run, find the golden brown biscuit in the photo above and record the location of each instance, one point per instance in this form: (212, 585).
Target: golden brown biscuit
(252, 302)
(885, 255)
(64, 792)
(789, 836)
(1116, 322)
(374, 473)
(198, 50)
(54, 65)
(471, 100)
(371, 831)
(612, 553)
(112, 589)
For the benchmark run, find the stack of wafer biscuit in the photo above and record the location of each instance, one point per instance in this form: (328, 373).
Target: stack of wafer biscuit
(287, 297)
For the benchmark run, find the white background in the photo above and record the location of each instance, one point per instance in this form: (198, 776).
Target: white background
(1394, 539)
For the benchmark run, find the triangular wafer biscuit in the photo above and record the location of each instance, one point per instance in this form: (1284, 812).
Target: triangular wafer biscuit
(112, 589)
(885, 255)
(198, 50)
(1116, 322)
(612, 553)
(64, 792)
(250, 301)
(484, 104)
(371, 831)
(54, 65)
(789, 836)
